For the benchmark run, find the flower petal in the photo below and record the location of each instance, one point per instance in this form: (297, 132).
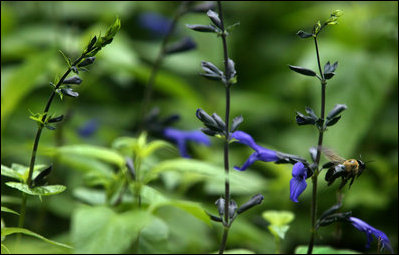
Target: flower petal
(297, 186)
(254, 157)
(245, 138)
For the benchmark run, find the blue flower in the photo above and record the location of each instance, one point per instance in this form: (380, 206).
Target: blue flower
(88, 128)
(260, 153)
(180, 137)
(155, 23)
(298, 182)
(370, 231)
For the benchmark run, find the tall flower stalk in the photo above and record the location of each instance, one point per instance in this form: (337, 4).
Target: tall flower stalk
(215, 125)
(62, 88)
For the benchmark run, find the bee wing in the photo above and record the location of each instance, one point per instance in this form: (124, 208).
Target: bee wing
(332, 156)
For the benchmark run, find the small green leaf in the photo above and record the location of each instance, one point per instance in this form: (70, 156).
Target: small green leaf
(67, 60)
(303, 249)
(155, 145)
(278, 218)
(5, 209)
(6, 171)
(279, 230)
(37, 191)
(4, 249)
(8, 231)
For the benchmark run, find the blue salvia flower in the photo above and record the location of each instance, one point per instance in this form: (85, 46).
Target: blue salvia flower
(370, 232)
(88, 128)
(180, 137)
(260, 153)
(298, 182)
(157, 24)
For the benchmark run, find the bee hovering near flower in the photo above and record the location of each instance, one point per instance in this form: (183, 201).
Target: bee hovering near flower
(340, 167)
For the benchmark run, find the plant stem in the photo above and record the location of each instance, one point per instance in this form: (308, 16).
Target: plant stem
(224, 240)
(37, 139)
(319, 145)
(157, 64)
(227, 134)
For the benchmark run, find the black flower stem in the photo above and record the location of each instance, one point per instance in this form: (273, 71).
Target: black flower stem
(157, 65)
(319, 145)
(227, 134)
(37, 139)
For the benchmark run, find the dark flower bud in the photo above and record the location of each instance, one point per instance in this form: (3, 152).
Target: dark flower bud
(203, 28)
(183, 45)
(311, 113)
(236, 122)
(338, 108)
(87, 61)
(91, 43)
(69, 92)
(219, 121)
(231, 71)
(203, 7)
(232, 208)
(74, 69)
(56, 119)
(334, 218)
(302, 70)
(304, 120)
(303, 34)
(210, 68)
(220, 204)
(40, 179)
(130, 167)
(170, 120)
(73, 80)
(208, 131)
(330, 122)
(255, 200)
(330, 210)
(214, 18)
(207, 120)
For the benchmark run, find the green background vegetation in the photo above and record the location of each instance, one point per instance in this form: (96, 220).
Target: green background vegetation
(365, 44)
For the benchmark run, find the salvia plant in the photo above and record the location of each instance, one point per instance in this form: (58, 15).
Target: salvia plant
(32, 180)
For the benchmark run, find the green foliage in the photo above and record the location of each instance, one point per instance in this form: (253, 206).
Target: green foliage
(323, 250)
(279, 222)
(6, 231)
(8, 210)
(45, 190)
(101, 230)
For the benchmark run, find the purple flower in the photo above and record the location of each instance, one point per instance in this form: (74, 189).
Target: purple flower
(180, 137)
(298, 182)
(88, 128)
(155, 23)
(260, 153)
(370, 231)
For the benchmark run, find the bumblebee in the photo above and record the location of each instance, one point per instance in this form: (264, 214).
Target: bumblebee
(347, 169)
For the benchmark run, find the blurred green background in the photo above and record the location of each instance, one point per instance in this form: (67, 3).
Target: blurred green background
(365, 44)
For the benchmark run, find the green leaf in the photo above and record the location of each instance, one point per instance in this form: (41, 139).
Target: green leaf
(323, 250)
(101, 230)
(278, 231)
(37, 191)
(67, 60)
(8, 231)
(192, 208)
(6, 171)
(278, 218)
(154, 146)
(102, 153)
(4, 249)
(5, 209)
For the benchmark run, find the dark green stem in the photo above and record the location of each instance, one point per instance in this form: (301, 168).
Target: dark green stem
(227, 134)
(37, 139)
(157, 64)
(319, 146)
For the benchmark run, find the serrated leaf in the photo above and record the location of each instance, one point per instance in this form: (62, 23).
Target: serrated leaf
(8, 231)
(37, 191)
(5, 209)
